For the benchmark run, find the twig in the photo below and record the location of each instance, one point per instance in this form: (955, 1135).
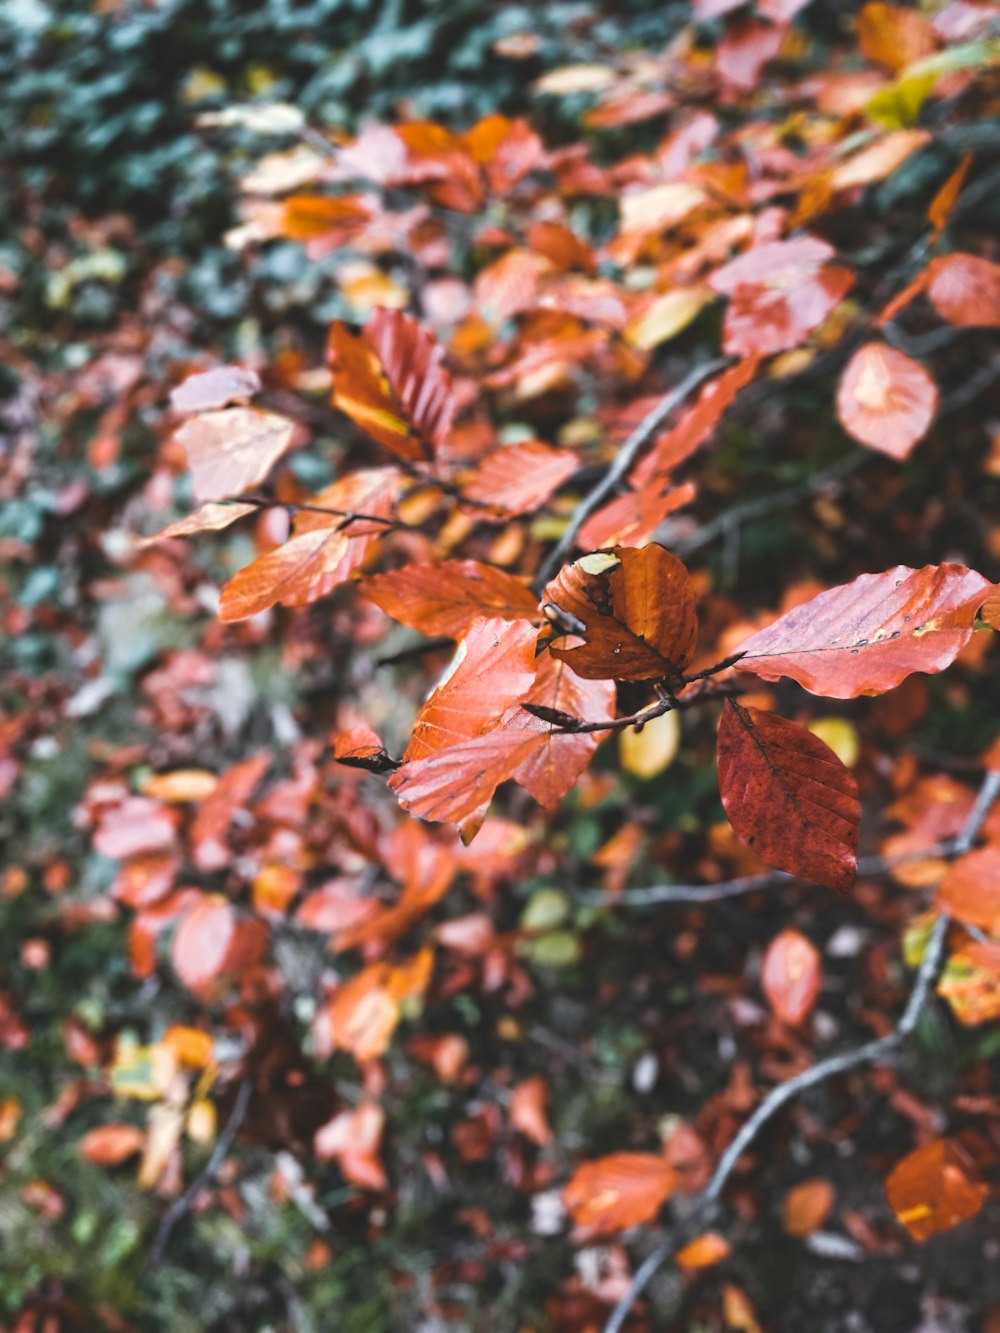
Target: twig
(624, 459)
(930, 966)
(348, 515)
(733, 888)
(181, 1206)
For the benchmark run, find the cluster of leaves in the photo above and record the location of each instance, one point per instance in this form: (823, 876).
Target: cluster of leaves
(563, 349)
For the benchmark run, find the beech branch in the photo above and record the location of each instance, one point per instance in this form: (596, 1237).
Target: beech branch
(624, 459)
(872, 1051)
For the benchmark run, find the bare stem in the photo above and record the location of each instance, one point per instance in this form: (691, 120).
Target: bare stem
(624, 459)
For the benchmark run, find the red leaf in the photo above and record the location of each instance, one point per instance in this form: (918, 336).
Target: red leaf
(553, 767)
(352, 1138)
(232, 451)
(135, 828)
(970, 890)
(214, 388)
(934, 1188)
(866, 636)
(619, 1191)
(788, 796)
(507, 150)
(521, 477)
(389, 378)
(791, 976)
(635, 610)
(446, 598)
(965, 290)
(744, 51)
(886, 400)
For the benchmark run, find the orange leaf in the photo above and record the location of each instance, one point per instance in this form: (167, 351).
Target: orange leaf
(211, 517)
(318, 217)
(970, 890)
(886, 400)
(634, 609)
(203, 942)
(528, 1101)
(970, 982)
(390, 380)
(791, 976)
(352, 1138)
(521, 477)
(232, 451)
(446, 598)
(935, 1188)
(788, 796)
(944, 201)
(893, 36)
(619, 1191)
(806, 1206)
(110, 1145)
(703, 1251)
(182, 785)
(866, 636)
(965, 290)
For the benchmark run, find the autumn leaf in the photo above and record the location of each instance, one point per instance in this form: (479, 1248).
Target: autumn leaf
(352, 1139)
(211, 517)
(886, 400)
(703, 1252)
(446, 598)
(935, 1188)
(212, 389)
(623, 1190)
(791, 975)
(894, 36)
(970, 982)
(806, 1206)
(390, 380)
(521, 477)
(110, 1145)
(528, 1102)
(554, 764)
(965, 290)
(203, 942)
(788, 796)
(232, 451)
(866, 636)
(634, 609)
(970, 890)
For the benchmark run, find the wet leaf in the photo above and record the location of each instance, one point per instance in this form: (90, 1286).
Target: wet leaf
(935, 1188)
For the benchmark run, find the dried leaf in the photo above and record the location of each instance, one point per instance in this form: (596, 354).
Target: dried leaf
(965, 290)
(446, 598)
(806, 1206)
(555, 763)
(623, 1190)
(970, 890)
(791, 976)
(233, 451)
(528, 1101)
(521, 477)
(110, 1145)
(788, 796)
(213, 389)
(866, 636)
(935, 1188)
(703, 1252)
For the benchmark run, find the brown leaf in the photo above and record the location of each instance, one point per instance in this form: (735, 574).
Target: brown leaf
(791, 976)
(703, 1252)
(232, 451)
(521, 477)
(806, 1206)
(528, 1101)
(893, 36)
(634, 609)
(935, 1188)
(970, 890)
(211, 517)
(866, 636)
(555, 764)
(788, 796)
(110, 1145)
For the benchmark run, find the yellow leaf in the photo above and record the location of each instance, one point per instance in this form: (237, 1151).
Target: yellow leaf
(841, 737)
(649, 752)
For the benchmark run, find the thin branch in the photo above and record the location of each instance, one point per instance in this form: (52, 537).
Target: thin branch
(182, 1205)
(624, 459)
(927, 973)
(574, 726)
(348, 515)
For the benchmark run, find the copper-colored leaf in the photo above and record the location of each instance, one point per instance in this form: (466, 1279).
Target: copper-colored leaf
(232, 451)
(110, 1145)
(970, 891)
(314, 217)
(622, 1190)
(893, 36)
(886, 400)
(806, 1206)
(528, 1101)
(944, 201)
(990, 609)
(521, 477)
(965, 290)
(745, 49)
(788, 796)
(791, 976)
(554, 765)
(213, 389)
(446, 598)
(866, 636)
(970, 982)
(390, 379)
(935, 1188)
(352, 1138)
(635, 610)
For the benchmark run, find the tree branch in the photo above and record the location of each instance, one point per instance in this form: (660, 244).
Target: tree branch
(624, 459)
(930, 966)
